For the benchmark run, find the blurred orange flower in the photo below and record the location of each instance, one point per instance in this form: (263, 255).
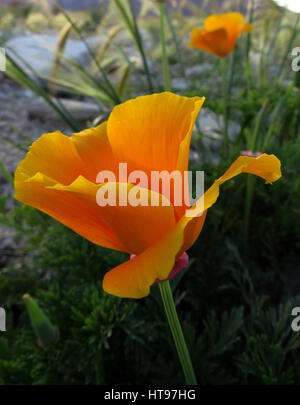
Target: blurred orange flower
(58, 177)
(220, 33)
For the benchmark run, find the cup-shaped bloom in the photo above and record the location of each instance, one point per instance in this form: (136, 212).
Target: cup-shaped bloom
(220, 33)
(60, 176)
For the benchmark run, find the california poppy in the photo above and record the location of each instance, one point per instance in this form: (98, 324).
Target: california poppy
(220, 33)
(58, 177)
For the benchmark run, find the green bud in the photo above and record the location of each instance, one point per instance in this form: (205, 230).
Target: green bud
(46, 333)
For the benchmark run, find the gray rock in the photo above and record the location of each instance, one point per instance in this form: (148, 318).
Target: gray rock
(211, 125)
(194, 156)
(197, 70)
(81, 110)
(179, 84)
(7, 245)
(36, 53)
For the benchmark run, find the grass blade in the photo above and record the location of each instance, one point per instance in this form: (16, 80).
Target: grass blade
(127, 14)
(15, 72)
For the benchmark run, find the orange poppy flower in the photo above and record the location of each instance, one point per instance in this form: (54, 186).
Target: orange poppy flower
(220, 33)
(58, 177)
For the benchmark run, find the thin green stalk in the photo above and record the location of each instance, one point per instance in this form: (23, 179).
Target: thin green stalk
(110, 89)
(263, 54)
(231, 70)
(141, 49)
(273, 41)
(59, 52)
(164, 47)
(255, 140)
(127, 14)
(181, 347)
(285, 58)
(274, 117)
(297, 124)
(250, 13)
(252, 145)
(176, 42)
(15, 72)
(6, 174)
(224, 67)
(248, 204)
(227, 83)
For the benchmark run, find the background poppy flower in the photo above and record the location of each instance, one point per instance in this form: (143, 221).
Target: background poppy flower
(220, 33)
(58, 177)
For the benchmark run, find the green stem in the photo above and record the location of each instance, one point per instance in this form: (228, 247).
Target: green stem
(250, 13)
(256, 142)
(289, 46)
(141, 49)
(181, 347)
(176, 42)
(248, 206)
(164, 47)
(224, 66)
(297, 124)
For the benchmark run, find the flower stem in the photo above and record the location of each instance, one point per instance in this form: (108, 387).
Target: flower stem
(164, 47)
(181, 347)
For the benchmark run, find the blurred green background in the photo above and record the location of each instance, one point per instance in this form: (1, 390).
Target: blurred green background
(66, 69)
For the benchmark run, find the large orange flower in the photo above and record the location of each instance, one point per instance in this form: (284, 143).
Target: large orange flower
(58, 177)
(220, 33)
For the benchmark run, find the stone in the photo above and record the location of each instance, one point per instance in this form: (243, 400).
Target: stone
(197, 70)
(35, 53)
(81, 110)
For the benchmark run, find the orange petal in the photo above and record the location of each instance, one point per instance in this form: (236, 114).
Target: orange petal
(215, 42)
(229, 21)
(146, 133)
(53, 159)
(66, 208)
(267, 167)
(220, 33)
(55, 156)
(134, 278)
(137, 227)
(94, 150)
(233, 23)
